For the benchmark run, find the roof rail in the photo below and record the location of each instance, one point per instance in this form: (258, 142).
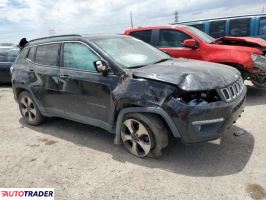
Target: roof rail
(56, 36)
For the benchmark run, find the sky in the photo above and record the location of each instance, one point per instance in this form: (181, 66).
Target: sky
(39, 18)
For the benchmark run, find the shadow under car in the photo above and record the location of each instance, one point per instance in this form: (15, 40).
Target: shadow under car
(229, 156)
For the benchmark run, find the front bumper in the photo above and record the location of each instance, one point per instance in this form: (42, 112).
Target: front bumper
(5, 77)
(204, 122)
(261, 66)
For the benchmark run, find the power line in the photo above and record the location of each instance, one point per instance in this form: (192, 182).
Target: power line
(51, 32)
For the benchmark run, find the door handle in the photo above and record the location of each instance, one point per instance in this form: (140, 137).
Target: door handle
(64, 77)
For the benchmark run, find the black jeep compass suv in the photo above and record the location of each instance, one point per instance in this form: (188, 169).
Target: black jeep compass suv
(128, 88)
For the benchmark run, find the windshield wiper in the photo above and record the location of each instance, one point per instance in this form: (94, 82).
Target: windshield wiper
(134, 67)
(163, 60)
(159, 61)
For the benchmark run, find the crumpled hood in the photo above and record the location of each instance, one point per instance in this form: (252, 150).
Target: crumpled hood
(190, 75)
(257, 41)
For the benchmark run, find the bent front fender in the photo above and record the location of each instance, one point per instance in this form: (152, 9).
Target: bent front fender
(153, 110)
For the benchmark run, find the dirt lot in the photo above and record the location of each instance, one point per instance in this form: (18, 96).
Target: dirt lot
(81, 162)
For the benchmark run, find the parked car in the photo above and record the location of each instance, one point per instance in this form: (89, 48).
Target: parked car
(8, 55)
(239, 26)
(189, 42)
(128, 88)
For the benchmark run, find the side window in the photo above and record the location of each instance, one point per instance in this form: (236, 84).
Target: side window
(262, 28)
(79, 56)
(3, 56)
(12, 55)
(47, 54)
(198, 26)
(172, 38)
(240, 27)
(31, 54)
(142, 35)
(217, 28)
(8, 55)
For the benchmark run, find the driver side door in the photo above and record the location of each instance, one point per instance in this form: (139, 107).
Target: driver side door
(171, 42)
(85, 93)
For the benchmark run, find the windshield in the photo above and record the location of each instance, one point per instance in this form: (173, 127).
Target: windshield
(130, 52)
(203, 36)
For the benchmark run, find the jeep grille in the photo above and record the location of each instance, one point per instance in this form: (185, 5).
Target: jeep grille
(232, 91)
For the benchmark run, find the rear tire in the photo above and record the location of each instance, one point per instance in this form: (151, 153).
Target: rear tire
(144, 135)
(29, 109)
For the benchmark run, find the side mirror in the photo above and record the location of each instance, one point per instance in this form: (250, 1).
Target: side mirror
(190, 43)
(101, 66)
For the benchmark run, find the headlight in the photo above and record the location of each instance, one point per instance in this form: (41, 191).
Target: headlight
(260, 61)
(254, 57)
(11, 69)
(258, 58)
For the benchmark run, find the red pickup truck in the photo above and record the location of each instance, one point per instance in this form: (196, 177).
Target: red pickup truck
(246, 54)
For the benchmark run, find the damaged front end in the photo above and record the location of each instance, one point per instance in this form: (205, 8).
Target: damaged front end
(259, 61)
(259, 78)
(206, 115)
(257, 43)
(200, 99)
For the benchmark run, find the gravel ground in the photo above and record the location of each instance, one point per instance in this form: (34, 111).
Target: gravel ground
(81, 161)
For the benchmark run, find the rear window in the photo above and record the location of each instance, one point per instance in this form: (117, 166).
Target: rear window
(198, 26)
(217, 28)
(262, 28)
(47, 54)
(8, 55)
(3, 57)
(142, 35)
(240, 27)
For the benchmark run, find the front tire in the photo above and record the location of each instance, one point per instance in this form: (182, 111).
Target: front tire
(259, 84)
(29, 109)
(259, 80)
(144, 135)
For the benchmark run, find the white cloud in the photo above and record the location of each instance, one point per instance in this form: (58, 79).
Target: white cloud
(3, 3)
(36, 17)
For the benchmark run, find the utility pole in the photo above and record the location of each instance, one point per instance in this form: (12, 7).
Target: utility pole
(51, 32)
(176, 16)
(131, 19)
(262, 10)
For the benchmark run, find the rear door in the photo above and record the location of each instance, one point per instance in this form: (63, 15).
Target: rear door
(147, 36)
(86, 93)
(171, 42)
(43, 63)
